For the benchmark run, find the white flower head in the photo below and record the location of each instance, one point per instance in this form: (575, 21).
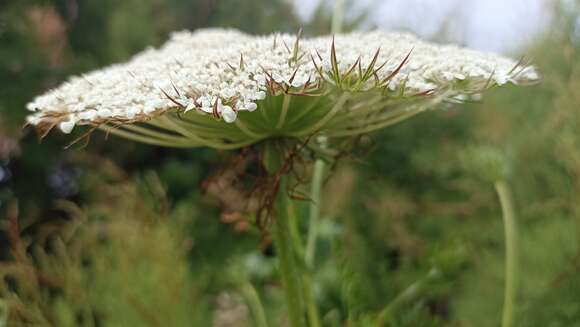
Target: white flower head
(336, 86)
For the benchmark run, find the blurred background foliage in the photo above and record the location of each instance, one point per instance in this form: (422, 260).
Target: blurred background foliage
(113, 233)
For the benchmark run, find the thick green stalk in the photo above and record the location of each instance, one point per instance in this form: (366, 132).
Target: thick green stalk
(287, 258)
(511, 248)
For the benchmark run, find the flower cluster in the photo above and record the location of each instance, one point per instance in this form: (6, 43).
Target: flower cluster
(221, 73)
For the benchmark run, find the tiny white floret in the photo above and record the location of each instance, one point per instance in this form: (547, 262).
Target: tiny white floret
(66, 126)
(228, 114)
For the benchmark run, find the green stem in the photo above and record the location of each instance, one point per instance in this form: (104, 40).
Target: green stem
(253, 300)
(288, 265)
(315, 191)
(311, 308)
(3, 312)
(295, 232)
(247, 131)
(409, 294)
(511, 247)
(180, 143)
(337, 16)
(284, 112)
(375, 126)
(338, 105)
(309, 301)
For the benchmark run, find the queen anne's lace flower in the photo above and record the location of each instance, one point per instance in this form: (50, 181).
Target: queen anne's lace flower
(219, 74)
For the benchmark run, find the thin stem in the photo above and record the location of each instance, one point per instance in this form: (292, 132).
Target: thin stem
(288, 265)
(309, 301)
(185, 143)
(247, 131)
(333, 111)
(337, 16)
(151, 133)
(315, 102)
(285, 106)
(376, 110)
(253, 301)
(294, 231)
(208, 129)
(511, 248)
(369, 128)
(315, 191)
(409, 294)
(311, 308)
(168, 123)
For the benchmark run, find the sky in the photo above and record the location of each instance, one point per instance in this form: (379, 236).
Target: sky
(492, 25)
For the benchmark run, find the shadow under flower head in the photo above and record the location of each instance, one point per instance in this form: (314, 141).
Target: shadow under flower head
(226, 89)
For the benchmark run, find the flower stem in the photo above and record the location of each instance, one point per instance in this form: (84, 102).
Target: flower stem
(311, 308)
(511, 264)
(284, 112)
(309, 300)
(315, 191)
(309, 254)
(253, 300)
(337, 16)
(409, 294)
(288, 265)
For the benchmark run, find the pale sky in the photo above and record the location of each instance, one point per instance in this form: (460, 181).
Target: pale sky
(494, 25)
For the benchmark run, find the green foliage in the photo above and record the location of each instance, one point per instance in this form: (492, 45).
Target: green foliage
(528, 132)
(123, 265)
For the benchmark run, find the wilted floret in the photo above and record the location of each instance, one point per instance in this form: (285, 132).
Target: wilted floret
(341, 86)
